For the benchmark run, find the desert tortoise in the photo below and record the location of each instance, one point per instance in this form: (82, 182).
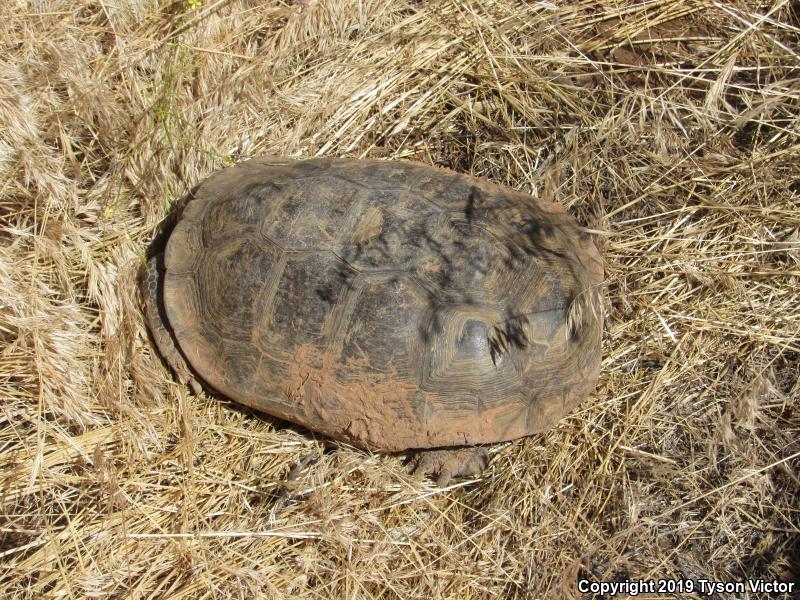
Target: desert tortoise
(389, 304)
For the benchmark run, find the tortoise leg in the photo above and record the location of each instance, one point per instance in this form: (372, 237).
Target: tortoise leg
(152, 288)
(452, 462)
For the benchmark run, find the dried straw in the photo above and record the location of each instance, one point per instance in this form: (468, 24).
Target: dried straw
(669, 127)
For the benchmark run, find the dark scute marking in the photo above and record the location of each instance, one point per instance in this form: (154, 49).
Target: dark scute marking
(395, 247)
(309, 289)
(230, 285)
(431, 324)
(383, 325)
(327, 293)
(259, 193)
(468, 263)
(244, 211)
(311, 215)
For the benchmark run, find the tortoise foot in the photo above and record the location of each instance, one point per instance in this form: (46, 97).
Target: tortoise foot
(449, 463)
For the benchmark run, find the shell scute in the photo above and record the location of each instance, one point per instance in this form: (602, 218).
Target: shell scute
(230, 216)
(233, 278)
(384, 237)
(308, 302)
(303, 217)
(388, 308)
(468, 262)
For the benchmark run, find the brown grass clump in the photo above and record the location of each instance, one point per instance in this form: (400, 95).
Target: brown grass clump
(670, 128)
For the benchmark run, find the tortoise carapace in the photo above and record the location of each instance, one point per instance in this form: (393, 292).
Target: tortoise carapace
(389, 304)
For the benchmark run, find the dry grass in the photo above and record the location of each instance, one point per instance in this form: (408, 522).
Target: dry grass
(668, 126)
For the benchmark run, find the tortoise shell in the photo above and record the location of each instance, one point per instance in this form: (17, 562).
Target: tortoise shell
(389, 304)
